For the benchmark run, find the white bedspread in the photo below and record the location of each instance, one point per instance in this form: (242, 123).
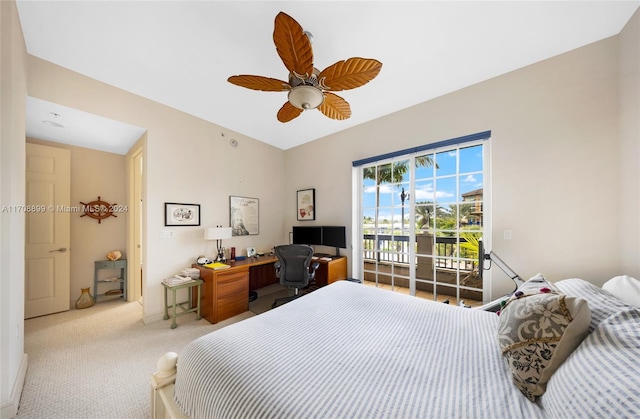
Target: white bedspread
(351, 351)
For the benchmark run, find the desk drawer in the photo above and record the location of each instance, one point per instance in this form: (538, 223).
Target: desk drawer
(110, 264)
(232, 293)
(230, 307)
(232, 283)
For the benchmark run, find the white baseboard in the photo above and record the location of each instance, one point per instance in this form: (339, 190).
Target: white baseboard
(10, 407)
(153, 318)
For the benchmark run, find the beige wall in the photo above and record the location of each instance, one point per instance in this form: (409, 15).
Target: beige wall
(187, 160)
(629, 88)
(94, 173)
(555, 161)
(13, 87)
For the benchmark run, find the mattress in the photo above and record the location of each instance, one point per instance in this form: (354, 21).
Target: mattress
(348, 350)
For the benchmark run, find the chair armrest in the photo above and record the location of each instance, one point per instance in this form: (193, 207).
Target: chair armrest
(277, 265)
(312, 273)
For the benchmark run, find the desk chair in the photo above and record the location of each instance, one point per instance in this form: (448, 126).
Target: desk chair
(294, 268)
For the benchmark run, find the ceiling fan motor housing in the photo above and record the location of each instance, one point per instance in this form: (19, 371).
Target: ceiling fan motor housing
(305, 93)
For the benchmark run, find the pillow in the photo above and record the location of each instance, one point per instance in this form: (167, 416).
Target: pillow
(602, 376)
(602, 303)
(538, 329)
(625, 288)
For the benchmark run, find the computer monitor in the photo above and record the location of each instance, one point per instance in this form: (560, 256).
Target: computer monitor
(334, 236)
(307, 235)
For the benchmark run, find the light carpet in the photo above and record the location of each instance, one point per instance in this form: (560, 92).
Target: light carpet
(95, 363)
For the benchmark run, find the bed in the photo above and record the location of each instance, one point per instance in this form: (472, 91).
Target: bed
(352, 351)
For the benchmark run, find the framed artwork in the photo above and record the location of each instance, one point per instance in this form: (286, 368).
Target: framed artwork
(306, 200)
(181, 214)
(244, 216)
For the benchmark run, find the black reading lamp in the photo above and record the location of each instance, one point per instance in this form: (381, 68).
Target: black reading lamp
(495, 259)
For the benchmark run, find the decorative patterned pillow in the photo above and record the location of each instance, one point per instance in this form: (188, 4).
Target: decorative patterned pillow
(539, 327)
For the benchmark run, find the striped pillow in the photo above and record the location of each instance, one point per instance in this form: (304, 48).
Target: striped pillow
(602, 376)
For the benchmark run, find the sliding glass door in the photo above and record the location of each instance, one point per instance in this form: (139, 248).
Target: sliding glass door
(421, 215)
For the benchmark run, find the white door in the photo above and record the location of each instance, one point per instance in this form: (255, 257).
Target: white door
(137, 225)
(47, 231)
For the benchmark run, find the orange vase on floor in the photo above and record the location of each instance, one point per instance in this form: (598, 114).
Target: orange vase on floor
(86, 300)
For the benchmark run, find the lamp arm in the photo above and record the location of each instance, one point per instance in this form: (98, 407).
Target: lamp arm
(492, 257)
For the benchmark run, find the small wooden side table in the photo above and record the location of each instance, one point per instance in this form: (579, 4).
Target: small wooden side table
(185, 310)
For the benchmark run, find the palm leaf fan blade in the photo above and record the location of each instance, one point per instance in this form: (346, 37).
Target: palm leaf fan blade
(265, 84)
(349, 74)
(335, 107)
(293, 46)
(288, 112)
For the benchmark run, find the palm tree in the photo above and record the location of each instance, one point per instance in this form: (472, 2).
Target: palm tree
(392, 173)
(424, 213)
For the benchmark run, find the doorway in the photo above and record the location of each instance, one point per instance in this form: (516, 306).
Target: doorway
(421, 217)
(136, 221)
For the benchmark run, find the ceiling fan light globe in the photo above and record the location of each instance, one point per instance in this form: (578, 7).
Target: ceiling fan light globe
(306, 97)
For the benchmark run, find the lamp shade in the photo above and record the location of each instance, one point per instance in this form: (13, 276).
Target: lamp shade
(217, 233)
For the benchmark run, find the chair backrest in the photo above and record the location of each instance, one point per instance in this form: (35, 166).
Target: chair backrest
(294, 262)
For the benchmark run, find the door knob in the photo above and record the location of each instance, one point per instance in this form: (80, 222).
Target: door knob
(61, 250)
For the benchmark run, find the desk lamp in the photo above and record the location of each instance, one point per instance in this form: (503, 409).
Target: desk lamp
(495, 259)
(218, 233)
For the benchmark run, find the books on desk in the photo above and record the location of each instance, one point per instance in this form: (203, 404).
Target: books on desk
(216, 265)
(191, 272)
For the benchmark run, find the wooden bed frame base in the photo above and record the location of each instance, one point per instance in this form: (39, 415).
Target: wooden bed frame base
(162, 383)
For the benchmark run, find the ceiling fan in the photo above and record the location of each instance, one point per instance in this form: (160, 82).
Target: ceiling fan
(309, 88)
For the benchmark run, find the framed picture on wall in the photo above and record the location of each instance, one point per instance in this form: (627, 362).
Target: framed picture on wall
(306, 200)
(244, 215)
(181, 214)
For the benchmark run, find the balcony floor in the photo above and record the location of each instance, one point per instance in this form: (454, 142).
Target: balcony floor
(424, 294)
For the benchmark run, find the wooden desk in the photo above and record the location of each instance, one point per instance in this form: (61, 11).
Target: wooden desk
(225, 292)
(330, 271)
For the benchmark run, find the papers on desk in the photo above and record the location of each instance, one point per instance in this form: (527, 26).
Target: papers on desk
(216, 265)
(177, 280)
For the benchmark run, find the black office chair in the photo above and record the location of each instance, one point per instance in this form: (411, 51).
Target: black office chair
(294, 268)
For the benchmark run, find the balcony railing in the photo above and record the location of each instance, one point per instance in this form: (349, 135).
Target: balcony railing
(396, 249)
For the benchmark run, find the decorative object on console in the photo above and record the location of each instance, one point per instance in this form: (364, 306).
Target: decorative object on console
(306, 200)
(85, 300)
(244, 215)
(308, 87)
(99, 209)
(181, 214)
(114, 255)
(218, 233)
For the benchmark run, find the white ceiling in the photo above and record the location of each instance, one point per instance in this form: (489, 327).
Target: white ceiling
(180, 53)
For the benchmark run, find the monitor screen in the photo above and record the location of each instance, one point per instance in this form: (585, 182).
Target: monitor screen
(307, 235)
(334, 236)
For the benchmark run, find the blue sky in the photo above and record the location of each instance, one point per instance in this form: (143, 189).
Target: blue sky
(441, 188)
